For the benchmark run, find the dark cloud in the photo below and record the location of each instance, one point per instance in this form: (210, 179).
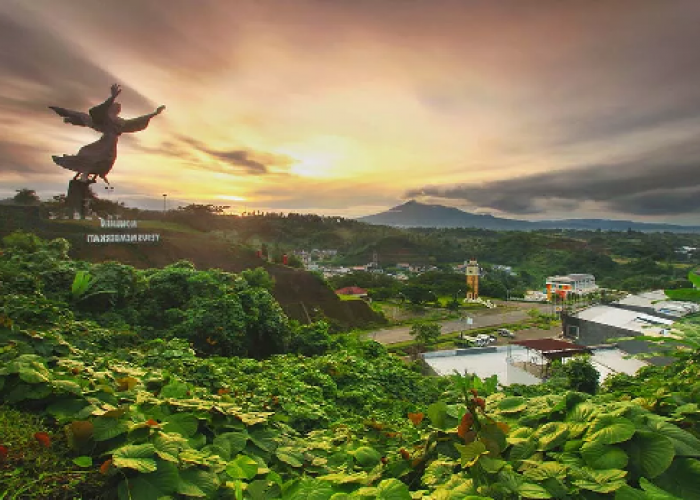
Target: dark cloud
(664, 182)
(23, 159)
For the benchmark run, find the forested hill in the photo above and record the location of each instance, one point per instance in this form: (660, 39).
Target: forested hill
(415, 214)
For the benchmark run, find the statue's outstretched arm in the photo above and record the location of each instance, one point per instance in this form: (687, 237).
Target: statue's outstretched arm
(140, 123)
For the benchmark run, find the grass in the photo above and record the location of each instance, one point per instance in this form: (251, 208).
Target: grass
(32, 470)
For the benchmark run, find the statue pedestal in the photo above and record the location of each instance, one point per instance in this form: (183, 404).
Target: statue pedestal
(78, 198)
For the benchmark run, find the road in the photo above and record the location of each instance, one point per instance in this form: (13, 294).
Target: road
(482, 318)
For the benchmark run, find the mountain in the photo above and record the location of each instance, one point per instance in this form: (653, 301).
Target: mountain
(415, 214)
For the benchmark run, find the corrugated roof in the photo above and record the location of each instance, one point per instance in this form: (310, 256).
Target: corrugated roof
(551, 345)
(623, 318)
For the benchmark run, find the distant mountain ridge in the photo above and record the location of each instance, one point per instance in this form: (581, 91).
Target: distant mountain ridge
(415, 214)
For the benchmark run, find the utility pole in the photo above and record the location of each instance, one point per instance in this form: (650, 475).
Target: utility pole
(165, 196)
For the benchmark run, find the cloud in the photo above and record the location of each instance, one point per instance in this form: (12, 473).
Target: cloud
(665, 182)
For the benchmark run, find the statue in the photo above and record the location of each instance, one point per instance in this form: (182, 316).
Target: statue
(97, 159)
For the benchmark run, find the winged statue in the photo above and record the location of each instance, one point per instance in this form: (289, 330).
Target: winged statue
(97, 159)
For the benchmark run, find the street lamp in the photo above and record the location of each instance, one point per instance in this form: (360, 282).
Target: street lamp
(165, 196)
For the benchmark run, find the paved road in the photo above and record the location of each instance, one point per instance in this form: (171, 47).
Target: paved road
(482, 317)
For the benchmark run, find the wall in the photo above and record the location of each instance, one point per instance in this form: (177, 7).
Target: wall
(591, 334)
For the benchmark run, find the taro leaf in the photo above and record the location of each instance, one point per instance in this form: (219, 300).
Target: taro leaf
(290, 456)
(600, 481)
(135, 456)
(572, 444)
(83, 461)
(168, 446)
(242, 467)
(126, 383)
(685, 444)
(491, 465)
(601, 456)
(79, 433)
(184, 424)
(230, 444)
(437, 413)
(344, 478)
(682, 478)
(654, 492)
(546, 470)
(552, 435)
(556, 487)
(532, 490)
(366, 456)
(108, 428)
(264, 439)
(626, 492)
(309, 489)
(650, 453)
(197, 483)
(607, 429)
(582, 412)
(471, 452)
(392, 489)
(438, 472)
(159, 484)
(261, 489)
(34, 373)
(67, 386)
(512, 404)
(175, 389)
(66, 408)
(523, 450)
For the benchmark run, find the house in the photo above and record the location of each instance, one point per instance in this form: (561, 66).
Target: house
(571, 283)
(352, 290)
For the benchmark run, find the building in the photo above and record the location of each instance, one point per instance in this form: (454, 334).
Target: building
(657, 303)
(599, 324)
(352, 290)
(472, 272)
(571, 283)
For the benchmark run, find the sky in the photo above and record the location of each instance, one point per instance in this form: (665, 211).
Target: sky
(522, 109)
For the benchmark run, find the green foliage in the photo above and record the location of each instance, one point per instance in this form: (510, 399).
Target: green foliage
(425, 334)
(684, 294)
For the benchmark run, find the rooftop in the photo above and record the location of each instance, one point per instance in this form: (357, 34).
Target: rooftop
(633, 321)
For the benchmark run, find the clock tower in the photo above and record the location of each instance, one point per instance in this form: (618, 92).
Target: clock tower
(472, 279)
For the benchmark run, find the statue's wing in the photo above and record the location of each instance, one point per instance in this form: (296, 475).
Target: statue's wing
(73, 117)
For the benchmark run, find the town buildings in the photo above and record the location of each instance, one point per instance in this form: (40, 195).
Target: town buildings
(571, 283)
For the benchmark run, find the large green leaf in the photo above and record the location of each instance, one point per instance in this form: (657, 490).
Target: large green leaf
(67, 386)
(34, 373)
(139, 457)
(107, 428)
(366, 456)
(682, 478)
(532, 490)
(650, 453)
(582, 412)
(437, 413)
(184, 424)
(601, 456)
(552, 435)
(546, 470)
(230, 444)
(309, 489)
(392, 489)
(654, 492)
(156, 485)
(264, 438)
(470, 453)
(512, 404)
(523, 449)
(290, 456)
(600, 481)
(607, 429)
(167, 446)
(242, 467)
(685, 444)
(197, 483)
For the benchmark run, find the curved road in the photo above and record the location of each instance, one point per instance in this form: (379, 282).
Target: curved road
(482, 318)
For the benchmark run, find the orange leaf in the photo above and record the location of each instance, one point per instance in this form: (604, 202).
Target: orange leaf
(151, 422)
(3, 452)
(416, 418)
(104, 468)
(465, 425)
(223, 391)
(480, 403)
(81, 429)
(503, 426)
(406, 455)
(43, 439)
(474, 393)
(211, 341)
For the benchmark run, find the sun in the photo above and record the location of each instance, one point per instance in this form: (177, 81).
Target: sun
(317, 164)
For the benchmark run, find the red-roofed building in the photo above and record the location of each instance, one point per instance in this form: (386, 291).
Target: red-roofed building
(352, 290)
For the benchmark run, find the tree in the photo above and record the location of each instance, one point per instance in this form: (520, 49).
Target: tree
(26, 196)
(425, 334)
(581, 375)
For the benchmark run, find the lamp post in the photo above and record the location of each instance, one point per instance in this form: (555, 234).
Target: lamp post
(165, 196)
